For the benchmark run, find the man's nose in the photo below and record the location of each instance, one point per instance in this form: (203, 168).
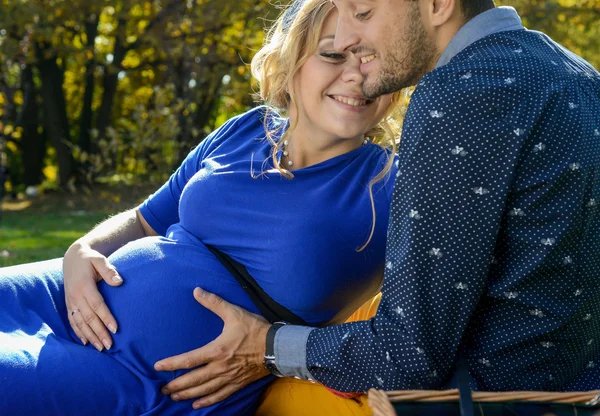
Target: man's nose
(352, 70)
(346, 36)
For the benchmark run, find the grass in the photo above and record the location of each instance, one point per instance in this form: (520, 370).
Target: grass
(44, 227)
(32, 237)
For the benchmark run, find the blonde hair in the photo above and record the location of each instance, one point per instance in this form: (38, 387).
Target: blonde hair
(289, 43)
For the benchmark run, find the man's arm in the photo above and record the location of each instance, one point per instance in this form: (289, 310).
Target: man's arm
(458, 159)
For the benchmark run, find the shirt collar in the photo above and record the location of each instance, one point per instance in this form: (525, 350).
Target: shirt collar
(499, 19)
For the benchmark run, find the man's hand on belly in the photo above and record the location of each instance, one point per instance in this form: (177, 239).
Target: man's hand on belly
(233, 360)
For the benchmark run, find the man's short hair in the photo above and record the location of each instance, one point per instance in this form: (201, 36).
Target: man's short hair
(472, 8)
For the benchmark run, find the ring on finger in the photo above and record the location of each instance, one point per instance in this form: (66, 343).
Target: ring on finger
(74, 310)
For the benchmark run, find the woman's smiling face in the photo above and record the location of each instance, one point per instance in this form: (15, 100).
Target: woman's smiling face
(328, 93)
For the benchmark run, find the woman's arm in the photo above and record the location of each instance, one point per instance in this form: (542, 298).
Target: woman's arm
(85, 264)
(115, 232)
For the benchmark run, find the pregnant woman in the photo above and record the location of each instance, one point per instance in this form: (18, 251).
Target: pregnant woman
(301, 201)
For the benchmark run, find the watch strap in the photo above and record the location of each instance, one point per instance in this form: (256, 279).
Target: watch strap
(269, 359)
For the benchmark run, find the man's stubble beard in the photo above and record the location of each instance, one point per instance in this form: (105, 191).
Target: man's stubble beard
(405, 70)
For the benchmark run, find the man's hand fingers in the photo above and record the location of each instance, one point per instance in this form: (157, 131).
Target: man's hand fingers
(184, 388)
(187, 360)
(106, 271)
(214, 303)
(193, 380)
(217, 396)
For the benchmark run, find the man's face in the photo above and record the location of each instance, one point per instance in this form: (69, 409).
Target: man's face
(391, 40)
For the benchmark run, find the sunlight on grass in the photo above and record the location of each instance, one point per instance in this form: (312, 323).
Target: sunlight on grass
(26, 237)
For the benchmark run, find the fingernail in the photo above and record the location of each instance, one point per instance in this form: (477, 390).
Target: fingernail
(202, 293)
(83, 341)
(196, 406)
(165, 391)
(98, 346)
(175, 397)
(112, 328)
(107, 344)
(117, 279)
(159, 367)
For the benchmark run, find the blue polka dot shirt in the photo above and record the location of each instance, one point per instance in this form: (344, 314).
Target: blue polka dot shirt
(494, 237)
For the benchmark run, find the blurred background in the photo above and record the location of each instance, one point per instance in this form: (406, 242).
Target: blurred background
(100, 100)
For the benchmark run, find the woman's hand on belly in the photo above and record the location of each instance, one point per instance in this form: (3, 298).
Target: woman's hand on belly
(89, 316)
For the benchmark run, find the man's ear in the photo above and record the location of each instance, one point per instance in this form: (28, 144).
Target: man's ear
(442, 11)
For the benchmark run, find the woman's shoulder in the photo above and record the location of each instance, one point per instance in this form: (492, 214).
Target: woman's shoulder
(382, 155)
(260, 114)
(239, 128)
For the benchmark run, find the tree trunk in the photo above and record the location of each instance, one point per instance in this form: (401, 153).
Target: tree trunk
(56, 122)
(85, 123)
(33, 144)
(111, 72)
(110, 82)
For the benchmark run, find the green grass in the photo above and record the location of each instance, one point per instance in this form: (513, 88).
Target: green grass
(28, 237)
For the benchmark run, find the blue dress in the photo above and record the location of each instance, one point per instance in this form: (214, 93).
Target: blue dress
(297, 238)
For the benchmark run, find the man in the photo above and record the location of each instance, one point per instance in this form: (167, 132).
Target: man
(494, 238)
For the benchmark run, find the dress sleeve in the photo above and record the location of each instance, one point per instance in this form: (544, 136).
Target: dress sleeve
(161, 209)
(457, 161)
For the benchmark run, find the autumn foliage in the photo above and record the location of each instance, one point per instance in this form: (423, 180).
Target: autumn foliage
(96, 89)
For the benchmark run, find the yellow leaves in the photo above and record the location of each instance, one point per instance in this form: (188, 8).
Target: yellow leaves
(143, 93)
(18, 98)
(51, 173)
(137, 11)
(568, 3)
(12, 147)
(132, 60)
(149, 74)
(142, 25)
(18, 133)
(10, 130)
(239, 25)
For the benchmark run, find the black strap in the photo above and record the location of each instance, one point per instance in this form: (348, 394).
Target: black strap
(269, 308)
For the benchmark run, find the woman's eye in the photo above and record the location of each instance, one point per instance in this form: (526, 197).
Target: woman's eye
(333, 56)
(363, 16)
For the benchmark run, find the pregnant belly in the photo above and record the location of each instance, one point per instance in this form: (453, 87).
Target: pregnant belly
(155, 309)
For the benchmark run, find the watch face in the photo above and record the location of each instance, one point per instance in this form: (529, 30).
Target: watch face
(271, 367)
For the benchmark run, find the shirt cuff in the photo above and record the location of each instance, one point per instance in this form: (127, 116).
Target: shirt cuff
(290, 351)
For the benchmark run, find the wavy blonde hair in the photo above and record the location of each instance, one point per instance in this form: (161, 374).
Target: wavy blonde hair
(289, 43)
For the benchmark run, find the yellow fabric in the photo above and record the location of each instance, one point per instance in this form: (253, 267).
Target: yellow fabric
(292, 397)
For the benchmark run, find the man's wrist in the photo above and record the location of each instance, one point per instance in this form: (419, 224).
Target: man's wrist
(269, 357)
(291, 344)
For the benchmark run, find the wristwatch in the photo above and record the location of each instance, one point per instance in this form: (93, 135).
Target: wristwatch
(269, 360)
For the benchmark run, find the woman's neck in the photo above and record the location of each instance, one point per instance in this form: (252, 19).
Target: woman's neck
(306, 147)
